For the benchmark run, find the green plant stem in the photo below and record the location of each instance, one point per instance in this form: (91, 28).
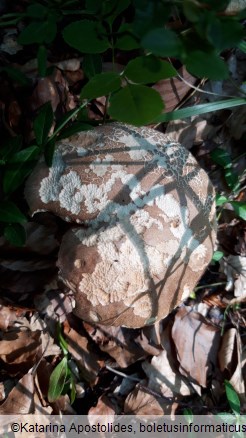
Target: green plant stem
(221, 283)
(238, 158)
(74, 113)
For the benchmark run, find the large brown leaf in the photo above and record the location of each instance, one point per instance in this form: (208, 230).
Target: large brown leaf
(20, 350)
(196, 342)
(87, 360)
(118, 342)
(20, 398)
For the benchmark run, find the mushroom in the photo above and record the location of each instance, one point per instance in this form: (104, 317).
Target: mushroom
(143, 217)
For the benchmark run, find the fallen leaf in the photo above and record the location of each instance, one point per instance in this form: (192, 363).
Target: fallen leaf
(235, 269)
(173, 90)
(87, 360)
(118, 342)
(20, 350)
(20, 398)
(163, 378)
(55, 304)
(103, 407)
(227, 349)
(196, 342)
(232, 359)
(25, 276)
(7, 316)
(49, 348)
(45, 91)
(40, 239)
(192, 131)
(140, 402)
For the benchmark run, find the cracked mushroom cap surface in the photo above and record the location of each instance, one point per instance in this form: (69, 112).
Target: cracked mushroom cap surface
(147, 221)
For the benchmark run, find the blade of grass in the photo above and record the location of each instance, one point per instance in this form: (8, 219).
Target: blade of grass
(199, 109)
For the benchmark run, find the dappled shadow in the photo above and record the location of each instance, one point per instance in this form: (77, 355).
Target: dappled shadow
(177, 176)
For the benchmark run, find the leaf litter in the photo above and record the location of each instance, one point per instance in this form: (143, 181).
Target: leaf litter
(181, 362)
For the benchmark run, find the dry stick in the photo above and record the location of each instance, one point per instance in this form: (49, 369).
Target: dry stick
(146, 389)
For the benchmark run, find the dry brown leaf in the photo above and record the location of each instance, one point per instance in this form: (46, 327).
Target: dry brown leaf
(228, 346)
(20, 350)
(55, 304)
(237, 380)
(7, 316)
(191, 131)
(25, 276)
(62, 405)
(103, 407)
(87, 360)
(162, 372)
(235, 269)
(232, 358)
(45, 91)
(174, 90)
(163, 378)
(140, 402)
(196, 342)
(72, 64)
(40, 239)
(14, 114)
(20, 398)
(118, 342)
(42, 378)
(49, 347)
(145, 343)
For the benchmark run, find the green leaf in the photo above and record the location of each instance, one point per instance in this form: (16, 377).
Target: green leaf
(239, 208)
(188, 414)
(232, 398)
(10, 147)
(148, 69)
(42, 61)
(220, 200)
(36, 10)
(192, 11)
(242, 46)
(162, 42)
(93, 6)
(218, 5)
(10, 213)
(126, 39)
(232, 178)
(86, 36)
(74, 129)
(199, 109)
(206, 65)
(221, 157)
(92, 65)
(217, 256)
(38, 32)
(15, 234)
(65, 119)
(18, 168)
(136, 104)
(57, 380)
(224, 33)
(42, 123)
(150, 14)
(113, 8)
(49, 151)
(16, 75)
(101, 85)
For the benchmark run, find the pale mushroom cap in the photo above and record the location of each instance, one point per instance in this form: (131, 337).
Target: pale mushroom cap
(149, 214)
